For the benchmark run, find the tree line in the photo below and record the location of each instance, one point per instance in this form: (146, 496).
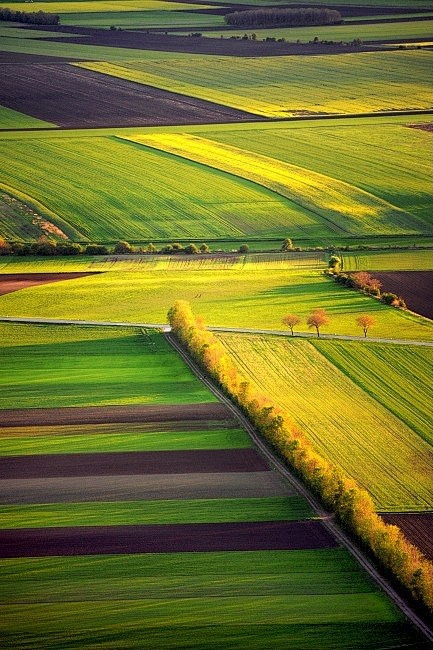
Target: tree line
(274, 17)
(351, 504)
(29, 17)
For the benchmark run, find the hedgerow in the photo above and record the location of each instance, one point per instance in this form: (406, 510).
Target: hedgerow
(352, 505)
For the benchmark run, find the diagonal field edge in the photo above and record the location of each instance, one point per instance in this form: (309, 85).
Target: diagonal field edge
(132, 463)
(165, 538)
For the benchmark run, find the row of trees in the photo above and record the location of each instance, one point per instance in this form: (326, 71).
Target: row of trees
(363, 281)
(274, 17)
(352, 505)
(47, 247)
(319, 318)
(29, 17)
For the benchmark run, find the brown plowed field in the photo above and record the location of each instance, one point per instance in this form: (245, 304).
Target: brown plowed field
(73, 97)
(415, 287)
(155, 487)
(110, 414)
(164, 538)
(132, 462)
(10, 282)
(417, 527)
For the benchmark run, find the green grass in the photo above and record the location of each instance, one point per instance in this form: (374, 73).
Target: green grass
(256, 298)
(139, 193)
(302, 599)
(319, 203)
(154, 512)
(381, 31)
(346, 425)
(71, 366)
(410, 260)
(399, 377)
(10, 119)
(140, 19)
(353, 83)
(387, 159)
(116, 437)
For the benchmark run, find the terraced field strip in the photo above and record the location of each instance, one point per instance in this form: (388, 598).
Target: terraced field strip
(101, 6)
(383, 158)
(343, 207)
(12, 282)
(354, 83)
(417, 528)
(398, 377)
(383, 454)
(246, 298)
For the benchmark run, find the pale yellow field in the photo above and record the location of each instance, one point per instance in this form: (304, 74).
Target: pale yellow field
(100, 6)
(345, 424)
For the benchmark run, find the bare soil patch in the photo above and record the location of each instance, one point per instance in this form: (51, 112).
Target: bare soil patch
(94, 540)
(425, 126)
(73, 97)
(417, 527)
(415, 287)
(10, 282)
(132, 462)
(110, 414)
(154, 487)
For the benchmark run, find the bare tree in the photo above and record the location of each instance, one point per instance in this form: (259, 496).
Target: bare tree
(291, 320)
(365, 321)
(317, 319)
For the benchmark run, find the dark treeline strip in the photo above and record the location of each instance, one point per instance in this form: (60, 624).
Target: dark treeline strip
(29, 17)
(273, 17)
(352, 505)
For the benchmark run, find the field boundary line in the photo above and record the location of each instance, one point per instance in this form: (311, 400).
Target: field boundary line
(327, 518)
(233, 330)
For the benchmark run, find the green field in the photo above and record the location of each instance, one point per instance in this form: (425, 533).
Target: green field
(398, 377)
(142, 19)
(349, 427)
(68, 439)
(154, 512)
(385, 159)
(10, 119)
(302, 599)
(244, 181)
(353, 83)
(72, 366)
(400, 32)
(409, 260)
(256, 298)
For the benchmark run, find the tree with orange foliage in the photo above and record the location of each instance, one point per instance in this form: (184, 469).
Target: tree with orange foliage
(317, 319)
(291, 320)
(365, 321)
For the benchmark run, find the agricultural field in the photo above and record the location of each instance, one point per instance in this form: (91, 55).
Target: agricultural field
(255, 297)
(351, 428)
(355, 83)
(106, 534)
(398, 32)
(135, 511)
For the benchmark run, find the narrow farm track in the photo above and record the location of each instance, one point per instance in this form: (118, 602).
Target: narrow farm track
(235, 330)
(326, 517)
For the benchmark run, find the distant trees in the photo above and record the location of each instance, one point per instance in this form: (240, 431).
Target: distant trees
(243, 248)
(287, 245)
(32, 17)
(291, 320)
(317, 319)
(283, 17)
(365, 321)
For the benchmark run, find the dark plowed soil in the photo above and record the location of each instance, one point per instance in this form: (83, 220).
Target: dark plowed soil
(92, 540)
(110, 414)
(415, 287)
(132, 463)
(73, 97)
(10, 282)
(417, 527)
